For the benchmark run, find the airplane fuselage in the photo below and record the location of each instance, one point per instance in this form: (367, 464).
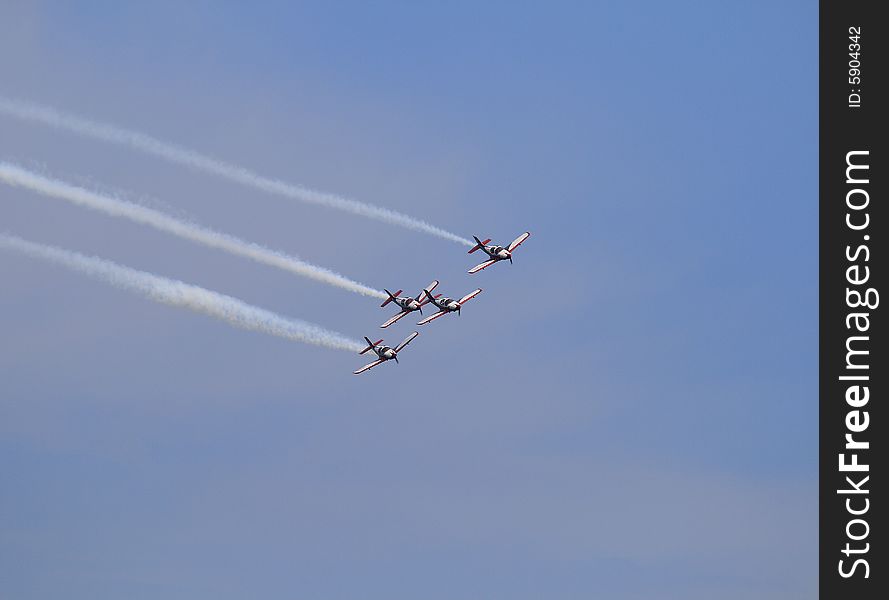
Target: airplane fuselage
(407, 303)
(447, 304)
(385, 352)
(497, 252)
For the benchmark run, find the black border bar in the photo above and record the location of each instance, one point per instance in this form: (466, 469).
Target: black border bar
(854, 371)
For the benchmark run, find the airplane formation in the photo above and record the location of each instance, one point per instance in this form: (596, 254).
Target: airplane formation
(445, 306)
(226, 308)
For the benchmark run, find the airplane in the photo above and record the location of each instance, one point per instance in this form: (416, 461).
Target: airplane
(497, 253)
(447, 305)
(407, 304)
(383, 352)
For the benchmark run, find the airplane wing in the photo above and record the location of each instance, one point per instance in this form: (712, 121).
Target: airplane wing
(393, 319)
(406, 341)
(421, 297)
(516, 242)
(484, 265)
(368, 366)
(431, 318)
(469, 296)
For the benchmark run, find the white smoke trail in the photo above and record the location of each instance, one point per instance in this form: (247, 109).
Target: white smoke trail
(184, 295)
(150, 145)
(14, 175)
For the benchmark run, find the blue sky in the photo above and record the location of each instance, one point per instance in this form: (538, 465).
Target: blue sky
(629, 411)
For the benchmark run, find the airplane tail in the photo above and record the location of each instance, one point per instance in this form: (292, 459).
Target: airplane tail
(478, 244)
(429, 297)
(370, 345)
(391, 297)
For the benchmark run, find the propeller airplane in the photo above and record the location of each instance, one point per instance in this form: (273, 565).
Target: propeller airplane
(407, 304)
(497, 253)
(447, 305)
(384, 353)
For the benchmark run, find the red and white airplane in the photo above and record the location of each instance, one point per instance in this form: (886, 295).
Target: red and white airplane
(407, 304)
(497, 253)
(384, 352)
(447, 305)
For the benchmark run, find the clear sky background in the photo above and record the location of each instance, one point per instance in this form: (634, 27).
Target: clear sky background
(628, 412)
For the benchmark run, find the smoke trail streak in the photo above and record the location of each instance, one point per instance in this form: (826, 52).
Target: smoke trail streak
(184, 295)
(150, 145)
(14, 175)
